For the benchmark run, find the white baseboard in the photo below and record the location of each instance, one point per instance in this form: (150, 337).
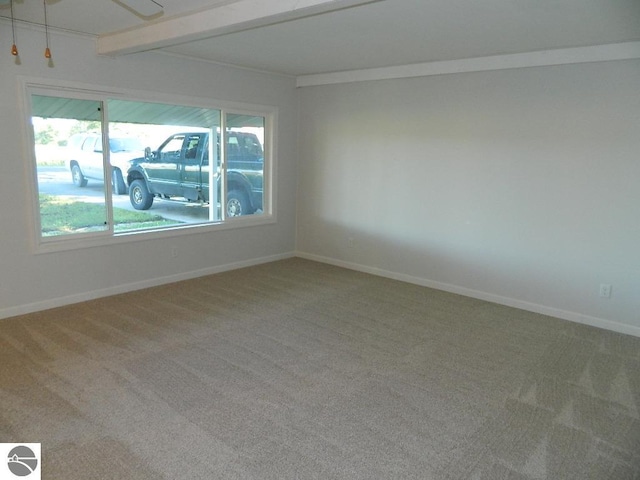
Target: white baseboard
(467, 292)
(129, 287)
(153, 282)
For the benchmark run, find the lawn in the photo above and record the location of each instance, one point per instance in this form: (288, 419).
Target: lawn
(60, 216)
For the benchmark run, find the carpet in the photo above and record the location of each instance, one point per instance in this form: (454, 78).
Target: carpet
(300, 370)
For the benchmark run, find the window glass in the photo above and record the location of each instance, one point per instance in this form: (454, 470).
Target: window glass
(91, 144)
(162, 167)
(192, 148)
(170, 179)
(244, 164)
(125, 145)
(68, 202)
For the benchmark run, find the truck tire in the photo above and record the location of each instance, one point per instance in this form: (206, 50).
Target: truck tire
(237, 203)
(139, 195)
(77, 176)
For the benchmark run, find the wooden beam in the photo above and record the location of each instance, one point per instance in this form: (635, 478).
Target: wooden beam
(215, 21)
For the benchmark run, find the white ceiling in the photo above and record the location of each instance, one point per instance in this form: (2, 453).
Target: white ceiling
(376, 34)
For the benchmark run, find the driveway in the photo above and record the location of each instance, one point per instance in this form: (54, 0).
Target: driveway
(57, 181)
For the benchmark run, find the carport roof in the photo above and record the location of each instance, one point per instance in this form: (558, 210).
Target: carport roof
(136, 112)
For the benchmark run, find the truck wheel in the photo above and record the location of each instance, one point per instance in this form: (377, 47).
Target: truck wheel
(237, 203)
(117, 182)
(78, 177)
(140, 197)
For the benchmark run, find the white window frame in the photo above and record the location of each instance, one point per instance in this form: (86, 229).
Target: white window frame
(48, 87)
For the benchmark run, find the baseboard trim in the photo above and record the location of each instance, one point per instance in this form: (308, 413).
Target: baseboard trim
(129, 287)
(467, 292)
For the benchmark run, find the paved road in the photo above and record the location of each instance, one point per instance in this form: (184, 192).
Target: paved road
(57, 181)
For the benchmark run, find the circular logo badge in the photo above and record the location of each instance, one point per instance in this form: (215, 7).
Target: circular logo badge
(22, 461)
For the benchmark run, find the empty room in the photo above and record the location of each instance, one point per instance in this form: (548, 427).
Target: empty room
(321, 239)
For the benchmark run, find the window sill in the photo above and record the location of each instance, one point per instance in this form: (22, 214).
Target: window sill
(66, 243)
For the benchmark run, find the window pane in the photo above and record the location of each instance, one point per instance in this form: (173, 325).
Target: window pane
(107, 166)
(69, 161)
(245, 164)
(170, 179)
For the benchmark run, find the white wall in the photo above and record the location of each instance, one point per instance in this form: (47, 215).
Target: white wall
(519, 186)
(31, 282)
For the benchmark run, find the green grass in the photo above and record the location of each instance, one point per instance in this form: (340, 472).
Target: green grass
(59, 216)
(50, 163)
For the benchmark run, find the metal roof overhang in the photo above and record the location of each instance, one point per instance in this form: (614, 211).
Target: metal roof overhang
(137, 112)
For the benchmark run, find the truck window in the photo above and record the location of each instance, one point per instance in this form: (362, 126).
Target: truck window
(170, 151)
(89, 145)
(191, 149)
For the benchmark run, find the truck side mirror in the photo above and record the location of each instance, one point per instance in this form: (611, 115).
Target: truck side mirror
(147, 153)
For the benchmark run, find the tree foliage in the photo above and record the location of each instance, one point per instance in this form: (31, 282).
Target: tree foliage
(45, 136)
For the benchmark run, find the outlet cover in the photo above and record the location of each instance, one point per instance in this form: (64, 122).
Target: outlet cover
(605, 290)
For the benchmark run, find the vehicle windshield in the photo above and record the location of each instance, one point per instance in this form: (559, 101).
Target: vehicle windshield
(125, 144)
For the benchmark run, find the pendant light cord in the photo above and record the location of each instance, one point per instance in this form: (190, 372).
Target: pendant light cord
(13, 31)
(47, 52)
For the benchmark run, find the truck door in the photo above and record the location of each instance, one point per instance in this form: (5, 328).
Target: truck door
(245, 158)
(92, 164)
(191, 174)
(164, 167)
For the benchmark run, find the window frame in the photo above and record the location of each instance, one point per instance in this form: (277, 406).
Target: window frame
(74, 90)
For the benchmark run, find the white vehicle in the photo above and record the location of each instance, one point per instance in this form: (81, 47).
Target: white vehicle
(85, 159)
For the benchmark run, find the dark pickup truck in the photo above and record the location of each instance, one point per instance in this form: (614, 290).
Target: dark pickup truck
(179, 170)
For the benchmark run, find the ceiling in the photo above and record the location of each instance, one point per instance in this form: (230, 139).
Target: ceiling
(308, 37)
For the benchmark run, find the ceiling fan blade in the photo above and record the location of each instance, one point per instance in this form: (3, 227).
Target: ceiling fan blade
(144, 8)
(7, 2)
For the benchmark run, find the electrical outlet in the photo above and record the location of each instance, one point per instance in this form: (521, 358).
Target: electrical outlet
(174, 252)
(605, 290)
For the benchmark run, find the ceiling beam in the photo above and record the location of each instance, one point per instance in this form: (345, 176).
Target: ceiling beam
(544, 58)
(214, 21)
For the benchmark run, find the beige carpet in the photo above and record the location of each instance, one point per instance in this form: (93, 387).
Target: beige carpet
(298, 370)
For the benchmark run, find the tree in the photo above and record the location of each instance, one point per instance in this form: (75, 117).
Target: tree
(45, 136)
(82, 126)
